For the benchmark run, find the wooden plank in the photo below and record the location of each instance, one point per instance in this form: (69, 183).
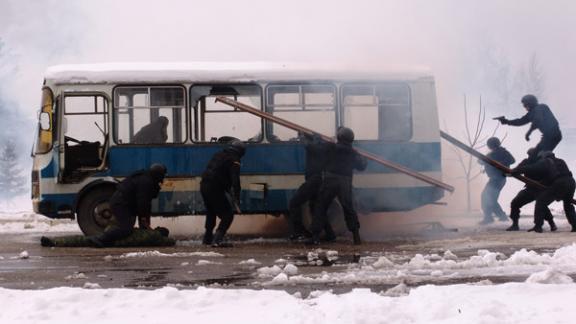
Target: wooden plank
(308, 131)
(491, 162)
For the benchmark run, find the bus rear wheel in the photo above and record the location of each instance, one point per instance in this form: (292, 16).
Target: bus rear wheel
(94, 213)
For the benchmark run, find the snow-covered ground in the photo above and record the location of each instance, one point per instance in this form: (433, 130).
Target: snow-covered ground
(545, 296)
(506, 303)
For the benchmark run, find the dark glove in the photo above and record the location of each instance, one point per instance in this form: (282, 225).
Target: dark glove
(527, 136)
(162, 230)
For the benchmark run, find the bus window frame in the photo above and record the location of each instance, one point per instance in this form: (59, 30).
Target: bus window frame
(380, 125)
(115, 121)
(197, 112)
(269, 108)
(62, 110)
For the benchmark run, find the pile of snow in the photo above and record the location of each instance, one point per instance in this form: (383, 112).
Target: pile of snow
(206, 262)
(28, 222)
(508, 303)
(155, 253)
(435, 267)
(549, 276)
(279, 274)
(250, 262)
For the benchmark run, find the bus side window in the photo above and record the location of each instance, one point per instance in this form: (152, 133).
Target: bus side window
(215, 120)
(149, 115)
(310, 105)
(378, 111)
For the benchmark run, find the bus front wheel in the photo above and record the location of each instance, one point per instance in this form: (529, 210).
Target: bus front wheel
(94, 213)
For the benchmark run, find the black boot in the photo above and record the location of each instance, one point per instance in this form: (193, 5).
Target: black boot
(573, 228)
(46, 241)
(208, 238)
(219, 240)
(314, 240)
(553, 227)
(514, 227)
(356, 237)
(537, 229)
(329, 235)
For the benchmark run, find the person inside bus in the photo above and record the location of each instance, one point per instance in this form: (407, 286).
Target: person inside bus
(308, 191)
(540, 117)
(342, 159)
(220, 189)
(496, 181)
(154, 133)
(132, 200)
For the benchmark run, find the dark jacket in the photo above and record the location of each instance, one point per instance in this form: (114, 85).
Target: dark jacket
(342, 159)
(550, 168)
(137, 192)
(502, 156)
(316, 157)
(223, 171)
(541, 118)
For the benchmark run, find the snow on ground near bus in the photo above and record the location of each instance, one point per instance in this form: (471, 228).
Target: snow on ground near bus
(28, 222)
(506, 303)
(391, 269)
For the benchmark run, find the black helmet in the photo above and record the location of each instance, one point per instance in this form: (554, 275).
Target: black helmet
(532, 152)
(529, 101)
(345, 135)
(158, 171)
(237, 146)
(493, 142)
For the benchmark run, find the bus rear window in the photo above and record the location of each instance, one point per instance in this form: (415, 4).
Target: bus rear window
(378, 112)
(149, 115)
(309, 105)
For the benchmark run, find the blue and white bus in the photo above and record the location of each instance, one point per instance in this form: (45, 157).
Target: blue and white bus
(93, 116)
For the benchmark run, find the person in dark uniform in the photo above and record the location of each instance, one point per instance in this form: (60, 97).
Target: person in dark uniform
(308, 191)
(496, 181)
(131, 200)
(527, 195)
(541, 118)
(560, 186)
(154, 133)
(220, 189)
(342, 159)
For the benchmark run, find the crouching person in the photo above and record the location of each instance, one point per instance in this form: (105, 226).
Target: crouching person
(132, 199)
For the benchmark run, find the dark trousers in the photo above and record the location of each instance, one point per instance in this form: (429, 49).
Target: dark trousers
(489, 198)
(217, 205)
(125, 220)
(561, 189)
(335, 186)
(524, 197)
(548, 142)
(307, 192)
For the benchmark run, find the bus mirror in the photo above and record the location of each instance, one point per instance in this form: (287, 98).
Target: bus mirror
(44, 121)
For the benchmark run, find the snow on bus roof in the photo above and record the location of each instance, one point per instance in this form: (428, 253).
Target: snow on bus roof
(185, 72)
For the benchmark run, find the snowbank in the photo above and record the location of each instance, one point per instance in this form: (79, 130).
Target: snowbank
(508, 303)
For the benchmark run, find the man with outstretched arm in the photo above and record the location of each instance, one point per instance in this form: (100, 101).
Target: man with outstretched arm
(540, 117)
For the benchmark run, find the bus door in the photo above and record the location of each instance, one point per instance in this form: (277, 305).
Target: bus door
(84, 132)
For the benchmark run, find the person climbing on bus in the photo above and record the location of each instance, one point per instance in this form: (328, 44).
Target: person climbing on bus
(154, 133)
(342, 159)
(528, 194)
(308, 191)
(560, 186)
(132, 200)
(220, 189)
(496, 181)
(540, 117)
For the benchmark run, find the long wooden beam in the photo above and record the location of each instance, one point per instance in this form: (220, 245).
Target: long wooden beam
(308, 131)
(491, 162)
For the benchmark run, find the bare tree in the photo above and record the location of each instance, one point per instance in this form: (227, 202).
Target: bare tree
(475, 136)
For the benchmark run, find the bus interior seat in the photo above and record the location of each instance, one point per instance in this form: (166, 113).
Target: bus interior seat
(83, 154)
